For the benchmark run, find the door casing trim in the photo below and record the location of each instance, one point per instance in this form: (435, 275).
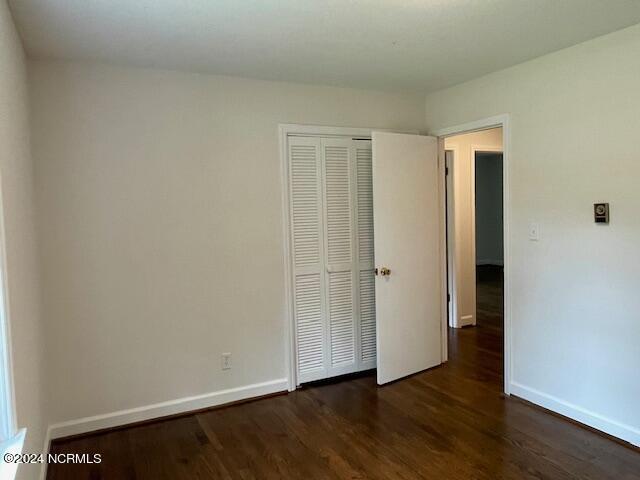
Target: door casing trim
(475, 126)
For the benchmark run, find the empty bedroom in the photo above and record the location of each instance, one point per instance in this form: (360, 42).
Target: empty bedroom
(375, 239)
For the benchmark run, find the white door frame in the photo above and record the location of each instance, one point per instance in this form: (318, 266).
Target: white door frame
(478, 125)
(284, 131)
(450, 233)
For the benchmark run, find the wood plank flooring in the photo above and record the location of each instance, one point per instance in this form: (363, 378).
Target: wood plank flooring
(451, 422)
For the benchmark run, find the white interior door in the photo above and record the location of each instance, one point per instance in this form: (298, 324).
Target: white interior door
(407, 234)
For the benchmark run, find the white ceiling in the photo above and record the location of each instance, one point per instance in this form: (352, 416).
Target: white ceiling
(419, 45)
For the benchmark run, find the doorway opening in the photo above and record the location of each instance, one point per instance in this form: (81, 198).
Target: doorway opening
(475, 251)
(489, 242)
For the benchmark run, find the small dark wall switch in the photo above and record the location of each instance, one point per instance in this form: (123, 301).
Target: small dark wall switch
(601, 212)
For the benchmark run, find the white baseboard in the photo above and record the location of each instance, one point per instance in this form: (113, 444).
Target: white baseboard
(579, 414)
(163, 409)
(465, 320)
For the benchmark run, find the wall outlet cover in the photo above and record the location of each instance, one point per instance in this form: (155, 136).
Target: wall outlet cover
(226, 361)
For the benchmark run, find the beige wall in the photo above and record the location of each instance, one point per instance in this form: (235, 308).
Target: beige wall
(463, 218)
(161, 220)
(20, 242)
(574, 127)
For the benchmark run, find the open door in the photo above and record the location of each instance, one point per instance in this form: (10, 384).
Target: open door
(406, 212)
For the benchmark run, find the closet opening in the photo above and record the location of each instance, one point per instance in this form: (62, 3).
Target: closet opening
(328, 206)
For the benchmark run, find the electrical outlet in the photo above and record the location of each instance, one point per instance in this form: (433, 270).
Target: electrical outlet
(226, 361)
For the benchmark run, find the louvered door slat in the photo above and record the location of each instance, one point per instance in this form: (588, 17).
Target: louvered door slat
(306, 205)
(306, 224)
(338, 203)
(365, 205)
(341, 315)
(309, 322)
(339, 232)
(367, 316)
(366, 278)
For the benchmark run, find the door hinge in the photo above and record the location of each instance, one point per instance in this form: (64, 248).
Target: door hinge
(446, 171)
(448, 297)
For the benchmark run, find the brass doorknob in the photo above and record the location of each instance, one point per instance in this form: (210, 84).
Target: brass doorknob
(384, 272)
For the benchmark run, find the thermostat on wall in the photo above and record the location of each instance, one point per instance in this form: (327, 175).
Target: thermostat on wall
(601, 212)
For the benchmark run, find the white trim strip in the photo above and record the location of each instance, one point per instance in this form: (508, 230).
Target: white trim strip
(579, 414)
(475, 126)
(163, 409)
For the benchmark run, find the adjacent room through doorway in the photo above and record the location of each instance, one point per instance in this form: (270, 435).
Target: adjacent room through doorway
(489, 242)
(475, 252)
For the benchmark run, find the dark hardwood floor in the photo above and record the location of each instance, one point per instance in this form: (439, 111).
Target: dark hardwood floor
(451, 422)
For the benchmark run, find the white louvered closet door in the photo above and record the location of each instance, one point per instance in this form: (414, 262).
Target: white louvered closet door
(305, 204)
(332, 240)
(365, 259)
(339, 244)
